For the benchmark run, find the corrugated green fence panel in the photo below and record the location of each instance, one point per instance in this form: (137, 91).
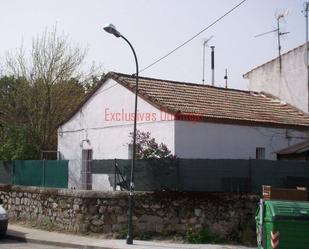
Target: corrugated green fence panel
(279, 174)
(264, 173)
(156, 174)
(41, 173)
(294, 174)
(107, 167)
(55, 173)
(211, 175)
(28, 173)
(6, 172)
(103, 166)
(208, 174)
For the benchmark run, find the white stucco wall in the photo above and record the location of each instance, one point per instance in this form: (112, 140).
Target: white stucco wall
(290, 85)
(225, 141)
(106, 122)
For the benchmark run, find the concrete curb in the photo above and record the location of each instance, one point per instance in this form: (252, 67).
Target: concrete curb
(11, 235)
(62, 240)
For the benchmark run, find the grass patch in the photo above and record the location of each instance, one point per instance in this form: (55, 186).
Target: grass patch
(202, 237)
(144, 236)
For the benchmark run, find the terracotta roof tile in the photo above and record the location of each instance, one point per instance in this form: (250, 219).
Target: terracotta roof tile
(215, 103)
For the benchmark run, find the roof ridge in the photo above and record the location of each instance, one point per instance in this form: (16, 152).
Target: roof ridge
(222, 105)
(182, 82)
(269, 96)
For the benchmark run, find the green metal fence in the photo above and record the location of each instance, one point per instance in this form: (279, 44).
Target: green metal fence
(6, 172)
(42, 173)
(205, 174)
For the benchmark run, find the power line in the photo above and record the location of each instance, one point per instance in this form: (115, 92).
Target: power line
(187, 41)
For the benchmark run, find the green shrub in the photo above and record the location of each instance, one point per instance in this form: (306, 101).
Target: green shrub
(144, 236)
(202, 237)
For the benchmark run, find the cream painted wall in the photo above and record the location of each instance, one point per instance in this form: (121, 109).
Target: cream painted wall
(225, 141)
(290, 85)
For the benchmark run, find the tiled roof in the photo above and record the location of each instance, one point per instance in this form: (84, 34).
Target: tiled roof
(213, 104)
(295, 149)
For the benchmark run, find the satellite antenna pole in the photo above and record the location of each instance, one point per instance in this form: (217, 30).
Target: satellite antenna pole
(279, 45)
(205, 45)
(279, 16)
(279, 34)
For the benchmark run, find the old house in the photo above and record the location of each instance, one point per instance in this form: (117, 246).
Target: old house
(193, 120)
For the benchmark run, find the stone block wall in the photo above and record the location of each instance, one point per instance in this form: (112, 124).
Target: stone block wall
(228, 215)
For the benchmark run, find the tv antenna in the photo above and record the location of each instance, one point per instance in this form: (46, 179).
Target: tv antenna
(205, 44)
(278, 17)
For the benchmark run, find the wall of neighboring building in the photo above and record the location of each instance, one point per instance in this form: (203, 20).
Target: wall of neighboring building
(226, 141)
(290, 85)
(104, 125)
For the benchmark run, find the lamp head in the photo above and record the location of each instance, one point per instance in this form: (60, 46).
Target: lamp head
(110, 28)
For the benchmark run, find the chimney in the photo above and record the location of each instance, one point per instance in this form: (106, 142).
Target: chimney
(213, 65)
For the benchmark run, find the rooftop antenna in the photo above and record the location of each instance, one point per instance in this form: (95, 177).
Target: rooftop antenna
(278, 16)
(205, 45)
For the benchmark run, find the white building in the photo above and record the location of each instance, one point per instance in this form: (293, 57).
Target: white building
(290, 84)
(194, 121)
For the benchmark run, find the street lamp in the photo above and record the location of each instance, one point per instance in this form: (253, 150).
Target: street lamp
(110, 28)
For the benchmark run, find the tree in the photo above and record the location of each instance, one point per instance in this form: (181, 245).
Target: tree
(18, 138)
(147, 147)
(41, 89)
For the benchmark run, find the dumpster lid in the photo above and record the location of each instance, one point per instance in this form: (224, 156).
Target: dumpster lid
(279, 210)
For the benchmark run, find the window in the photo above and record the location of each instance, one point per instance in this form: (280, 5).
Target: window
(260, 153)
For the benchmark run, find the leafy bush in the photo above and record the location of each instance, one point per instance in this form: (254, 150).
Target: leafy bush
(202, 237)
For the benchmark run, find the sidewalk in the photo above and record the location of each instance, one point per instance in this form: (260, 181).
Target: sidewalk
(65, 240)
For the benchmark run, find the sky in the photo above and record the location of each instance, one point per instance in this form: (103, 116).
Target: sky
(155, 27)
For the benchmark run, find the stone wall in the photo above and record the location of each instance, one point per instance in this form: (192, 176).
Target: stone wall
(228, 215)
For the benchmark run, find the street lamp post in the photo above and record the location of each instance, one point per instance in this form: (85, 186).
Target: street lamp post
(110, 28)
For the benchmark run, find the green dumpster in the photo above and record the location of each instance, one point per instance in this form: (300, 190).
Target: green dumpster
(282, 224)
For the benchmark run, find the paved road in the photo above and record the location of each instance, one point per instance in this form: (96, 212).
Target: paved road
(6, 243)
